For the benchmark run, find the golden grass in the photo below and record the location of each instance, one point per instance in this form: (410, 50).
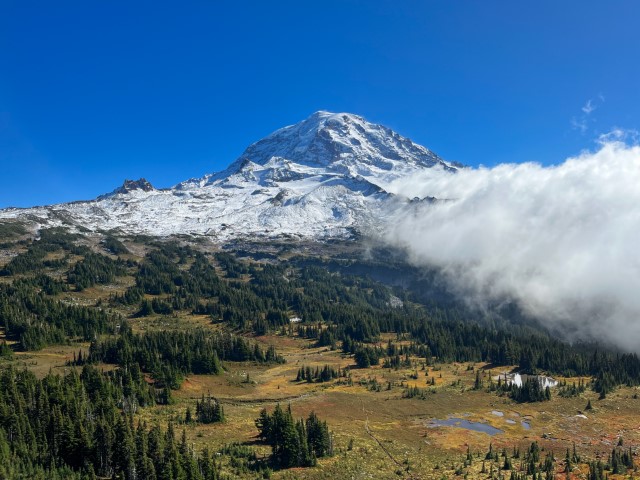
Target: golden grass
(377, 419)
(50, 359)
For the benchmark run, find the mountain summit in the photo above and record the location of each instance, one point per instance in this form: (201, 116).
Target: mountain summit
(345, 143)
(321, 178)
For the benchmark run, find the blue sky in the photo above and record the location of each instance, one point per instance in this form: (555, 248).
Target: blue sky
(95, 92)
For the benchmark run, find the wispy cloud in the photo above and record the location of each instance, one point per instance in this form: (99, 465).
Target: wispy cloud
(580, 124)
(561, 241)
(628, 136)
(588, 107)
(582, 121)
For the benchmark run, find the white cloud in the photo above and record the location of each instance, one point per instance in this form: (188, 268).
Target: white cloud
(563, 241)
(618, 134)
(588, 107)
(582, 122)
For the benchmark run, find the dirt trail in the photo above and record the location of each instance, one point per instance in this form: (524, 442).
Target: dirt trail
(384, 449)
(259, 401)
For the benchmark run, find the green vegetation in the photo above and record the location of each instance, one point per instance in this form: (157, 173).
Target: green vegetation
(168, 356)
(32, 318)
(114, 246)
(169, 337)
(530, 391)
(209, 410)
(95, 269)
(11, 230)
(80, 426)
(324, 374)
(294, 443)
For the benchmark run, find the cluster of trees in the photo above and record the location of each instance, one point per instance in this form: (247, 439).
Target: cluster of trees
(607, 380)
(294, 443)
(621, 460)
(530, 391)
(29, 261)
(364, 355)
(570, 459)
(45, 283)
(10, 230)
(414, 392)
(325, 336)
(28, 313)
(571, 390)
(33, 259)
(131, 296)
(530, 464)
(396, 362)
(81, 426)
(324, 374)
(367, 356)
(155, 454)
(521, 465)
(114, 246)
(478, 383)
(95, 269)
(158, 274)
(34, 319)
(169, 355)
(596, 471)
(208, 410)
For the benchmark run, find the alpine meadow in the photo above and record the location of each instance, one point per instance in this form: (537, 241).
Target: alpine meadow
(339, 301)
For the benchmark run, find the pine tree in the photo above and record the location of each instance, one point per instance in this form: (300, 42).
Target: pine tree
(478, 382)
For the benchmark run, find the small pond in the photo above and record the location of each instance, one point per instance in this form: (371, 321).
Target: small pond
(467, 425)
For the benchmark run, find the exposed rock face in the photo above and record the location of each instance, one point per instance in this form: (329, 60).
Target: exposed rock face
(131, 185)
(140, 184)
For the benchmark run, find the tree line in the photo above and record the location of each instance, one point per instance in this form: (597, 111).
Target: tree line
(170, 355)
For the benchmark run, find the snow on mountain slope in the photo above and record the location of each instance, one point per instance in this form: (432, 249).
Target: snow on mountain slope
(324, 177)
(342, 143)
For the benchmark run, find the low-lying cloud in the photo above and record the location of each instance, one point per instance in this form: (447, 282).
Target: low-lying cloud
(563, 241)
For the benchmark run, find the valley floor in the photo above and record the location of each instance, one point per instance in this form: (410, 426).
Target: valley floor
(377, 432)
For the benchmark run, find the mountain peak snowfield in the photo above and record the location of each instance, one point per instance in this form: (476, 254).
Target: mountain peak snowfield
(324, 177)
(344, 143)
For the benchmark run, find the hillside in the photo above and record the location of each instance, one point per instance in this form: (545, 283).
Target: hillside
(124, 356)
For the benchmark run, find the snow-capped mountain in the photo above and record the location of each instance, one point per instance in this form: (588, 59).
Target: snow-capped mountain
(323, 177)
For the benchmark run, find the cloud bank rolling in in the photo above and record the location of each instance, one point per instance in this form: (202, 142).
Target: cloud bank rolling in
(563, 241)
